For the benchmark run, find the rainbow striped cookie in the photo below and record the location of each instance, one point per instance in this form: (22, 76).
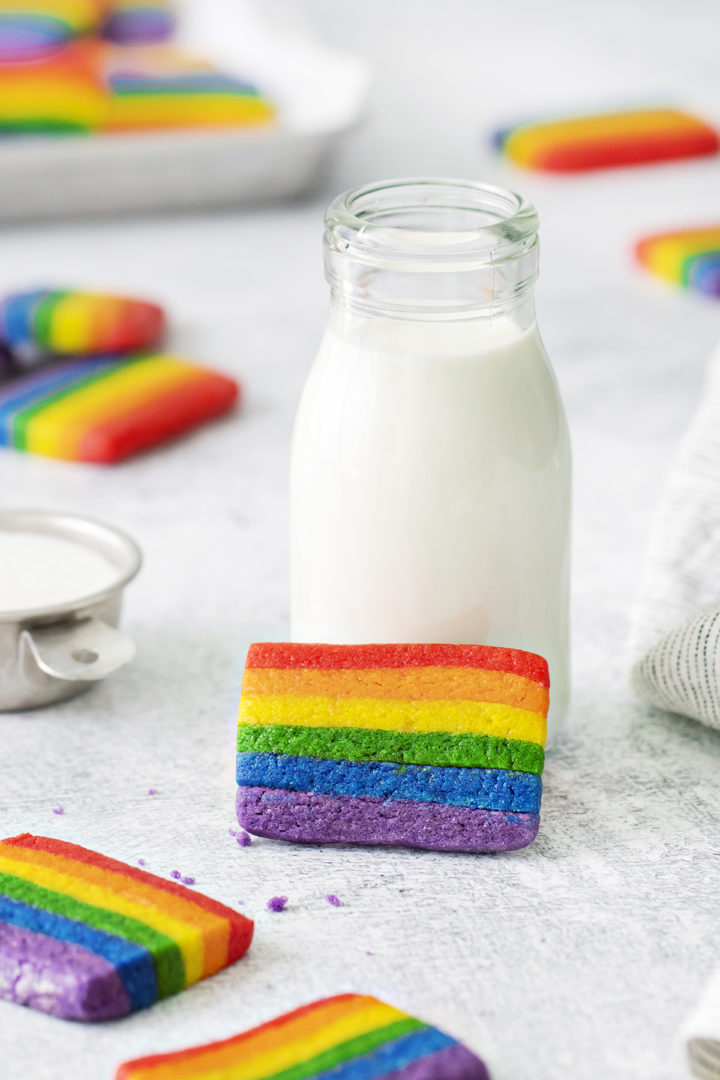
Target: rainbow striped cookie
(605, 140)
(85, 937)
(79, 323)
(130, 22)
(90, 85)
(349, 1037)
(103, 410)
(687, 257)
(431, 746)
(159, 86)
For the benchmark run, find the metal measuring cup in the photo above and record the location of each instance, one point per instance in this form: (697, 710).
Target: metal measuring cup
(51, 653)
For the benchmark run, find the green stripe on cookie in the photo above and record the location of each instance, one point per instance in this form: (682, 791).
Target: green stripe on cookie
(43, 316)
(365, 744)
(347, 1051)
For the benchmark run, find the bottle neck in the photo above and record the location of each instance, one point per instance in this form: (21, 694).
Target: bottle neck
(432, 250)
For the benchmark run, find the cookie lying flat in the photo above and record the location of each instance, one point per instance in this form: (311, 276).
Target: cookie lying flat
(85, 937)
(432, 746)
(160, 86)
(351, 1037)
(67, 322)
(93, 85)
(103, 410)
(689, 258)
(605, 140)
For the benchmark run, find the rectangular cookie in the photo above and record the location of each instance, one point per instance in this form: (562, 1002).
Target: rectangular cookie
(433, 746)
(104, 409)
(348, 1037)
(607, 140)
(85, 937)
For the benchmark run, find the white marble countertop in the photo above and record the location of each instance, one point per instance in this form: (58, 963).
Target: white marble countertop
(580, 956)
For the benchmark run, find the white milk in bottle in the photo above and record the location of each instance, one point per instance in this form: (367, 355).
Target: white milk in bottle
(430, 478)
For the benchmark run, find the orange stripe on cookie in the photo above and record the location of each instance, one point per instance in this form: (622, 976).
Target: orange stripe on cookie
(401, 684)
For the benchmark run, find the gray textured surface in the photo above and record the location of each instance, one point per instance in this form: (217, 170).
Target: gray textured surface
(580, 956)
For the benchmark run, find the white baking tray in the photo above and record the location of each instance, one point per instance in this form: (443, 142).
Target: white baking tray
(319, 92)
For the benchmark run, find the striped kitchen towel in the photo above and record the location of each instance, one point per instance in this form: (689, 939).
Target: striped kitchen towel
(675, 642)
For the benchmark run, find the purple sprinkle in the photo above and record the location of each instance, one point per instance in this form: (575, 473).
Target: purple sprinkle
(188, 880)
(59, 810)
(244, 839)
(368, 953)
(332, 899)
(152, 791)
(141, 862)
(277, 903)
(233, 832)
(175, 874)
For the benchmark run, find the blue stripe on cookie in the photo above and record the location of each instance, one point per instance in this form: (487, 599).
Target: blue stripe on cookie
(487, 789)
(392, 1056)
(17, 316)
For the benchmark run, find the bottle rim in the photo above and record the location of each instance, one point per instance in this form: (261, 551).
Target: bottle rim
(430, 224)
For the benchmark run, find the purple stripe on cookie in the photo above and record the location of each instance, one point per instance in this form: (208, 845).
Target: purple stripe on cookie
(339, 819)
(451, 1063)
(57, 977)
(136, 27)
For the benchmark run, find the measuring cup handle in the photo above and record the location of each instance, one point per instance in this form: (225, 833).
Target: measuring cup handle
(82, 651)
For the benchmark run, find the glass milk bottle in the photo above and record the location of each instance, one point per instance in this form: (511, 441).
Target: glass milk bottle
(430, 475)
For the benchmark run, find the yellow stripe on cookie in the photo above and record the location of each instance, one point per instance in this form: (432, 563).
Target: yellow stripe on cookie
(475, 717)
(70, 330)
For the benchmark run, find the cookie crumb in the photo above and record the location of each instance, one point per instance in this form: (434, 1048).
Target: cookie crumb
(244, 839)
(277, 903)
(58, 810)
(333, 899)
